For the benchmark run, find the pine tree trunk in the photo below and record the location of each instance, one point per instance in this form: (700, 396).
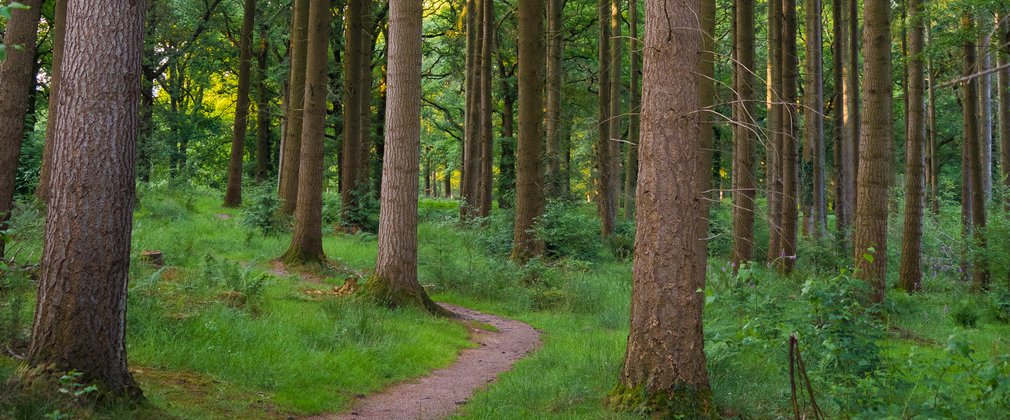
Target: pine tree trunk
(16, 83)
(789, 140)
(395, 281)
(263, 147)
(472, 150)
(486, 110)
(744, 144)
(1003, 84)
(233, 193)
(530, 173)
(80, 317)
(634, 117)
(839, 135)
(555, 71)
(974, 142)
(355, 85)
(616, 92)
(665, 360)
(911, 248)
(985, 113)
(605, 160)
(307, 241)
(874, 143)
(59, 40)
(773, 173)
(852, 112)
(934, 167)
(294, 114)
(814, 114)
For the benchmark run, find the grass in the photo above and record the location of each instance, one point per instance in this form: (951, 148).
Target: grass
(281, 349)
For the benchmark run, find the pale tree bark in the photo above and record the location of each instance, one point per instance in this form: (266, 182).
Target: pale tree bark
(634, 118)
(530, 173)
(555, 52)
(813, 121)
(294, 114)
(915, 141)
(80, 317)
(985, 113)
(665, 358)
(17, 80)
(874, 144)
(744, 138)
(486, 109)
(395, 281)
(973, 143)
(307, 241)
(59, 40)
(605, 195)
(233, 192)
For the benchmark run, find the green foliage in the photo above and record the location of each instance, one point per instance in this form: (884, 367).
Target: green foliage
(362, 211)
(568, 230)
(261, 211)
(966, 314)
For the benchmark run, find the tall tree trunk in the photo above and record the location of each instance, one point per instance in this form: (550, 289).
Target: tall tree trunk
(395, 281)
(530, 173)
(59, 40)
(665, 358)
(307, 241)
(472, 150)
(263, 147)
(813, 121)
(911, 248)
(605, 160)
(294, 113)
(616, 93)
(16, 83)
(934, 176)
(974, 142)
(555, 71)
(634, 117)
(744, 144)
(1003, 85)
(486, 110)
(357, 86)
(874, 143)
(789, 140)
(853, 105)
(773, 172)
(233, 193)
(843, 172)
(80, 317)
(985, 113)
(507, 161)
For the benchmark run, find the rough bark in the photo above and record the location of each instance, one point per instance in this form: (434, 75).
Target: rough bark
(915, 141)
(59, 41)
(529, 171)
(353, 167)
(294, 114)
(395, 281)
(665, 357)
(263, 143)
(605, 196)
(874, 143)
(974, 142)
(813, 120)
(233, 192)
(485, 183)
(985, 113)
(934, 176)
(1003, 86)
(17, 80)
(789, 141)
(470, 181)
(634, 117)
(616, 94)
(839, 135)
(853, 110)
(555, 71)
(744, 139)
(307, 241)
(773, 172)
(80, 317)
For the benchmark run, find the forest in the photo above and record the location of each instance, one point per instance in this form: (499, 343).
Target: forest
(385, 209)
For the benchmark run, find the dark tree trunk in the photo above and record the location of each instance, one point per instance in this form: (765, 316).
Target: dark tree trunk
(233, 194)
(472, 149)
(1003, 87)
(357, 108)
(555, 80)
(634, 119)
(789, 141)
(813, 121)
(840, 137)
(80, 318)
(530, 173)
(294, 113)
(17, 81)
(395, 281)
(263, 143)
(665, 359)
(915, 142)
(486, 183)
(974, 142)
(605, 194)
(773, 173)
(874, 144)
(744, 145)
(616, 92)
(507, 161)
(59, 40)
(307, 242)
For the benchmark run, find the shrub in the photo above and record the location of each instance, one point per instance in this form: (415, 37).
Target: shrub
(569, 231)
(966, 314)
(262, 211)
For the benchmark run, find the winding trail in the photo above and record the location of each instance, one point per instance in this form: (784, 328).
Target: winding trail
(437, 395)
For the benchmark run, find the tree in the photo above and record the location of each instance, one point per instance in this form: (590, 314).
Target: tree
(789, 141)
(973, 145)
(484, 192)
(839, 135)
(874, 144)
(915, 142)
(395, 281)
(263, 124)
(353, 162)
(813, 121)
(291, 144)
(529, 171)
(472, 149)
(555, 75)
(605, 194)
(233, 193)
(744, 130)
(307, 241)
(1003, 87)
(59, 40)
(616, 92)
(665, 358)
(16, 83)
(635, 121)
(773, 169)
(80, 316)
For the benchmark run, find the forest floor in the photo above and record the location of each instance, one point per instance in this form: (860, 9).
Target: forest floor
(223, 332)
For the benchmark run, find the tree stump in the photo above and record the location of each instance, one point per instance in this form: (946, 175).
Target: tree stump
(154, 258)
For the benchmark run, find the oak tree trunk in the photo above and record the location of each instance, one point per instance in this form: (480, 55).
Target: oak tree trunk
(80, 317)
